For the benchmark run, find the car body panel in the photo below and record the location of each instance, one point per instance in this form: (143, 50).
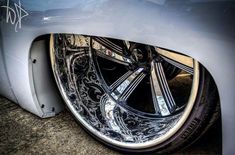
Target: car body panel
(5, 88)
(204, 30)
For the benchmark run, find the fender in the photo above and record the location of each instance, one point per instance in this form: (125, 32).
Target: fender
(204, 30)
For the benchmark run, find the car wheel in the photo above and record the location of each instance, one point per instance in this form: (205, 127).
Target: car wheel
(129, 95)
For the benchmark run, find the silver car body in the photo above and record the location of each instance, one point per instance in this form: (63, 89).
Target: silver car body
(204, 30)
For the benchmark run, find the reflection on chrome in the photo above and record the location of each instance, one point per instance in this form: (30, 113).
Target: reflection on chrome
(132, 80)
(110, 55)
(108, 109)
(162, 97)
(158, 99)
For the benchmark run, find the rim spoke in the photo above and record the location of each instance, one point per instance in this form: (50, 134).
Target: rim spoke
(110, 45)
(125, 85)
(127, 44)
(108, 50)
(178, 60)
(162, 98)
(120, 80)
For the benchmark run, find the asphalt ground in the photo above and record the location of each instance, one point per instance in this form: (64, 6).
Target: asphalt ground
(24, 133)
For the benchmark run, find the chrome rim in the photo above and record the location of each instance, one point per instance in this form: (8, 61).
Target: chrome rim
(132, 107)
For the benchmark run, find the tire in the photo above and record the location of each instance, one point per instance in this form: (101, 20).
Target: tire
(204, 113)
(105, 84)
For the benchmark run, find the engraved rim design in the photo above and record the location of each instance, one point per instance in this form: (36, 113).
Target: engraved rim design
(103, 107)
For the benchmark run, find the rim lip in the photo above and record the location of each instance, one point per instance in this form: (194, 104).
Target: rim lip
(148, 144)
